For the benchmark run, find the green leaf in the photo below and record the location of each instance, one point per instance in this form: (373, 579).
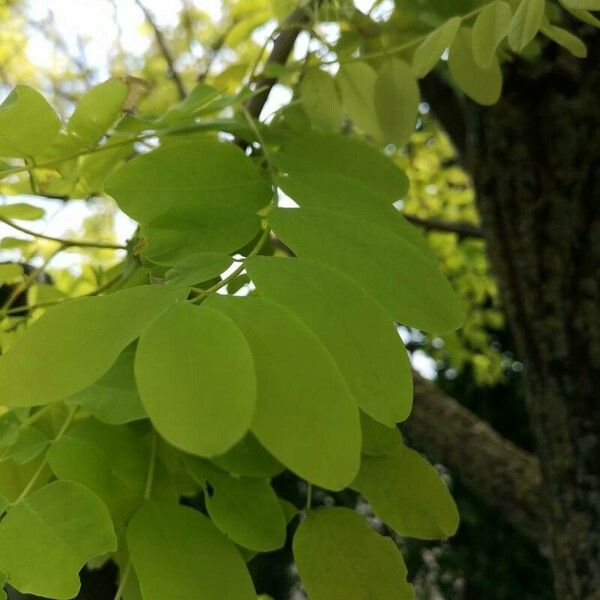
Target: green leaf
(30, 444)
(482, 85)
(490, 28)
(525, 23)
(196, 378)
(357, 85)
(193, 196)
(350, 161)
(47, 538)
(114, 398)
(407, 493)
(186, 230)
(348, 196)
(10, 272)
(565, 39)
(585, 16)
(378, 439)
(22, 211)
(245, 509)
(96, 111)
(430, 50)
(339, 556)
(407, 284)
(350, 324)
(581, 4)
(397, 101)
(178, 553)
(248, 458)
(305, 415)
(45, 364)
(27, 123)
(198, 268)
(111, 461)
(321, 102)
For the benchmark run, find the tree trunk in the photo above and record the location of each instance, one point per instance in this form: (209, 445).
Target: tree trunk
(535, 160)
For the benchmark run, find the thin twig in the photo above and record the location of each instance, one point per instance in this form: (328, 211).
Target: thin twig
(461, 229)
(165, 51)
(63, 242)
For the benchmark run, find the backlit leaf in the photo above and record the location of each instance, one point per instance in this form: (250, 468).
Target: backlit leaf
(196, 378)
(355, 330)
(27, 123)
(403, 280)
(45, 364)
(483, 85)
(20, 210)
(305, 415)
(396, 101)
(357, 85)
(428, 53)
(320, 99)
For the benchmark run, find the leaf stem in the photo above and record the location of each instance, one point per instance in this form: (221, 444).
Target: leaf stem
(27, 489)
(308, 496)
(151, 468)
(204, 293)
(124, 579)
(63, 242)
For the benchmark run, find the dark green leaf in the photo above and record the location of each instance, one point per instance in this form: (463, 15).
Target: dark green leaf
(178, 553)
(407, 493)
(339, 556)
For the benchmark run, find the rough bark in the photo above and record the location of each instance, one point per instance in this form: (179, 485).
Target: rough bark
(503, 475)
(535, 159)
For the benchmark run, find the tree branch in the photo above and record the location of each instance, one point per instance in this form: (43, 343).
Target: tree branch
(165, 51)
(461, 229)
(506, 477)
(61, 241)
(282, 48)
(446, 108)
